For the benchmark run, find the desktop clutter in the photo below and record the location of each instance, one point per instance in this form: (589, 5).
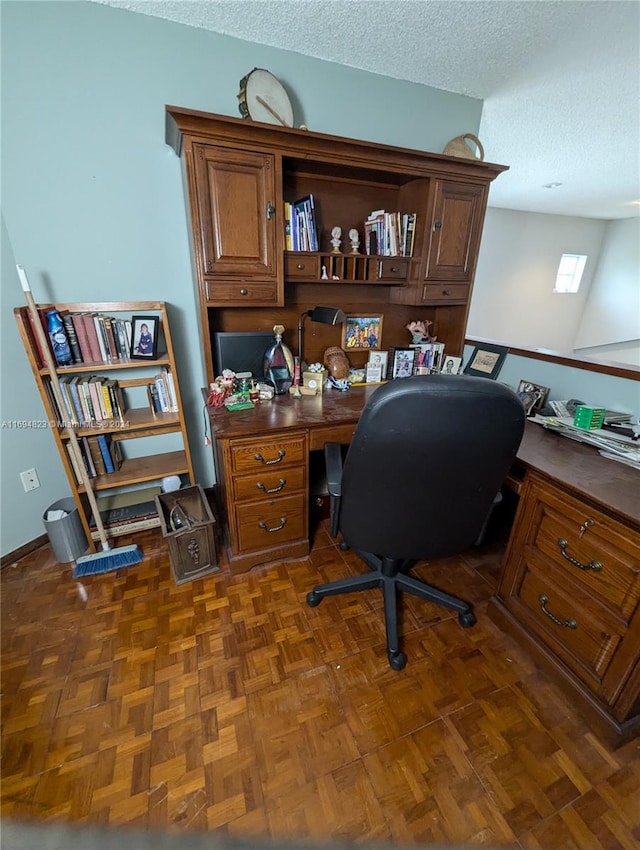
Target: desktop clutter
(283, 373)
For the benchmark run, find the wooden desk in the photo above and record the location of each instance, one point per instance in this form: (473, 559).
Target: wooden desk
(567, 491)
(262, 468)
(569, 590)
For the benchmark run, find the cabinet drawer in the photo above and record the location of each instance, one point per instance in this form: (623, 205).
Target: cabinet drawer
(566, 625)
(393, 268)
(241, 293)
(269, 455)
(591, 550)
(302, 265)
(271, 522)
(445, 293)
(331, 434)
(268, 483)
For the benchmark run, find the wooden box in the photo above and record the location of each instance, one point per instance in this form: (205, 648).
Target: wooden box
(188, 525)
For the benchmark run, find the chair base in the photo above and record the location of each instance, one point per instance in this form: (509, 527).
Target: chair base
(391, 575)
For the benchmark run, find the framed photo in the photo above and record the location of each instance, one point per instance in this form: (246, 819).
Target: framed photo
(451, 365)
(403, 359)
(486, 361)
(362, 332)
(532, 396)
(379, 358)
(144, 337)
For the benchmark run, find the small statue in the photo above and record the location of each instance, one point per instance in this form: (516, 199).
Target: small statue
(420, 332)
(354, 236)
(336, 233)
(324, 275)
(336, 362)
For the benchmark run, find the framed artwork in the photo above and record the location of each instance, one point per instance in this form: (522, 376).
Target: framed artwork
(451, 365)
(486, 360)
(362, 332)
(532, 396)
(379, 358)
(144, 337)
(403, 359)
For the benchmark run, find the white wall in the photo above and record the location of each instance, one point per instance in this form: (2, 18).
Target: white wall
(611, 317)
(513, 298)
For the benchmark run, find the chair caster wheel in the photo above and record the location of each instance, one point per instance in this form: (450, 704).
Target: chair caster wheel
(397, 660)
(467, 619)
(343, 545)
(313, 599)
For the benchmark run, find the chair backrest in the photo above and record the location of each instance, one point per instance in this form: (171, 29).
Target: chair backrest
(427, 458)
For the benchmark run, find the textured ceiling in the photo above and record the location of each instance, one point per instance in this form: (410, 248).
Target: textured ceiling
(560, 80)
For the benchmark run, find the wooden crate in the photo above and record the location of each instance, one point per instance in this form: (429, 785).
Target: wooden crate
(192, 548)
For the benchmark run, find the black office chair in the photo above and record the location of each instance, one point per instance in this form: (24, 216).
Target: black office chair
(418, 481)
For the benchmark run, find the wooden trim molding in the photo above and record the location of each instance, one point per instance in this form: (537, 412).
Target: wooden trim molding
(618, 370)
(22, 551)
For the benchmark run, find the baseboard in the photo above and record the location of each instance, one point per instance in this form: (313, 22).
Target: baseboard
(22, 551)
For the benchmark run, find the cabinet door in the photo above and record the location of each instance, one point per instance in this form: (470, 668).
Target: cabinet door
(236, 193)
(456, 226)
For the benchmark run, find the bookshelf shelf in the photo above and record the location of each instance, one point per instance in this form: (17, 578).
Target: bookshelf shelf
(104, 437)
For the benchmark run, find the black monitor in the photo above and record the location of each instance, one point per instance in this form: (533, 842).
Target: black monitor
(241, 351)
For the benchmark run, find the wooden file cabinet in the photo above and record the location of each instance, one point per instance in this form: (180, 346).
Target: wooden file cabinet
(570, 592)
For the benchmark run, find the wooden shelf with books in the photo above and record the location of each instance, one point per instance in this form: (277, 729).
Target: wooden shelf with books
(120, 396)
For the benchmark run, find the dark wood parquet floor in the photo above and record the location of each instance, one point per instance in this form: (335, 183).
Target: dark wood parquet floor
(227, 704)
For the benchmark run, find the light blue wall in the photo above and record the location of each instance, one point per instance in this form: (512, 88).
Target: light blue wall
(93, 199)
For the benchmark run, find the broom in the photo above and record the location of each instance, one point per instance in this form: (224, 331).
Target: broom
(109, 559)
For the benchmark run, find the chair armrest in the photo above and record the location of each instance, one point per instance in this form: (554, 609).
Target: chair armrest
(333, 465)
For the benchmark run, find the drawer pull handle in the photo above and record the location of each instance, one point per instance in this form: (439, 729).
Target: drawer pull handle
(394, 269)
(244, 291)
(568, 624)
(596, 566)
(300, 266)
(281, 454)
(446, 292)
(585, 525)
(283, 522)
(277, 489)
(270, 210)
(436, 225)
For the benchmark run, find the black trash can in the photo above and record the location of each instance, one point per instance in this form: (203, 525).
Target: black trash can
(66, 534)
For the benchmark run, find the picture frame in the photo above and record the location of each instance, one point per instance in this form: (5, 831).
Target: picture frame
(486, 361)
(403, 360)
(532, 396)
(451, 365)
(381, 359)
(362, 333)
(144, 337)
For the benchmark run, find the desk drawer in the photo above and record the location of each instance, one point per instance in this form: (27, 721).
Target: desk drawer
(268, 455)
(302, 266)
(271, 522)
(590, 550)
(269, 483)
(331, 434)
(445, 293)
(572, 627)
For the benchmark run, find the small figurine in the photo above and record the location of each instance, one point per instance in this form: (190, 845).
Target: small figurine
(336, 233)
(324, 275)
(354, 236)
(420, 332)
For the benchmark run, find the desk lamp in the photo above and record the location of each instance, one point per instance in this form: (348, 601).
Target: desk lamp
(324, 315)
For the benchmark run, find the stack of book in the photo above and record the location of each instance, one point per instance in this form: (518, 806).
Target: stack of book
(389, 234)
(161, 393)
(301, 233)
(88, 400)
(101, 455)
(134, 510)
(93, 337)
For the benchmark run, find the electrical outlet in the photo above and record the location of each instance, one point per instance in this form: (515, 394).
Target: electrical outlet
(29, 480)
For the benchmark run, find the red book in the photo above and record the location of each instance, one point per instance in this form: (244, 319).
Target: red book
(96, 356)
(36, 339)
(83, 341)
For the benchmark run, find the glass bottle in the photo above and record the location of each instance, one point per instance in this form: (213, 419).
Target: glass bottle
(58, 337)
(278, 363)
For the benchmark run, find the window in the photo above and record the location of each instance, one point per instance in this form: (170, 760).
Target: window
(570, 272)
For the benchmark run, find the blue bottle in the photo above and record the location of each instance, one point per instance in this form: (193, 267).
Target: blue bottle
(58, 337)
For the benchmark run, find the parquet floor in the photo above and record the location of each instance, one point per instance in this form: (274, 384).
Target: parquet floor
(227, 704)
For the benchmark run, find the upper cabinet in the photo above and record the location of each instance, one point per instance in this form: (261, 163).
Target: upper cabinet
(456, 226)
(243, 178)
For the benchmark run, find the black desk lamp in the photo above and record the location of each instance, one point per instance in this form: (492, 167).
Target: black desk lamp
(324, 315)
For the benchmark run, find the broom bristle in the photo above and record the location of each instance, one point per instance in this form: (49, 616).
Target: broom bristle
(104, 562)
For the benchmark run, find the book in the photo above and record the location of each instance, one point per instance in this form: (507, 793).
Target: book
(111, 340)
(101, 337)
(116, 453)
(81, 336)
(96, 455)
(104, 442)
(92, 337)
(36, 339)
(86, 454)
(67, 321)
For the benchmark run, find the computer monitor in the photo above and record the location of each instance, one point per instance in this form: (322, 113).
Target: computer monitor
(241, 351)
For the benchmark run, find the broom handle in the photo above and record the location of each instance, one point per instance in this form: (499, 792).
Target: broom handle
(53, 374)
